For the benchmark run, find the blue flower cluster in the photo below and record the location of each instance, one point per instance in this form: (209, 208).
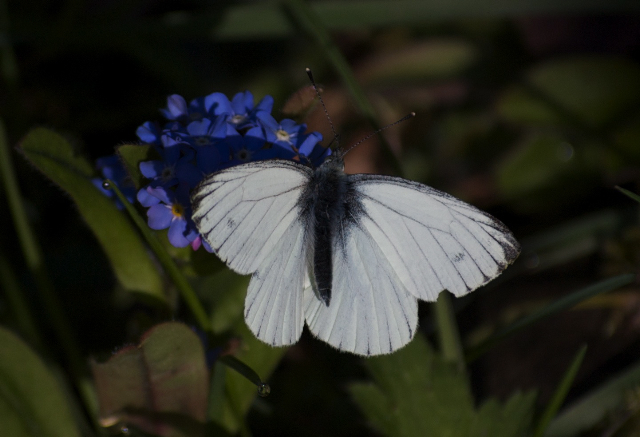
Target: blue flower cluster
(207, 135)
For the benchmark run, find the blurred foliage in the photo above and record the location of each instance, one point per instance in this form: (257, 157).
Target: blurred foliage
(417, 393)
(32, 401)
(159, 386)
(528, 109)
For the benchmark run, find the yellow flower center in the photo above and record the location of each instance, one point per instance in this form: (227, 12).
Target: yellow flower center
(177, 210)
(282, 135)
(237, 119)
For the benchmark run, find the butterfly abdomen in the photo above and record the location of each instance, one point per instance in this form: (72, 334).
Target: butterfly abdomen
(323, 203)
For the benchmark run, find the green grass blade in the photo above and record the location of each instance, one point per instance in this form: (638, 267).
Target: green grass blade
(215, 407)
(17, 303)
(634, 196)
(553, 308)
(34, 259)
(560, 394)
(589, 410)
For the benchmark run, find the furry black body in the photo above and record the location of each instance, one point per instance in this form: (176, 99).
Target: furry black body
(329, 206)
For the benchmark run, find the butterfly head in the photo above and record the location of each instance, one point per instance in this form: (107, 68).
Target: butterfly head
(335, 160)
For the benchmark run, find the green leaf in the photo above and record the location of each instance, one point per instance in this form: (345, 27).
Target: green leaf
(167, 262)
(255, 361)
(592, 408)
(417, 393)
(512, 419)
(160, 386)
(132, 155)
(54, 156)
(32, 403)
(224, 293)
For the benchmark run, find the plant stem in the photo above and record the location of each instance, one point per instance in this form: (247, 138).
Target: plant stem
(186, 291)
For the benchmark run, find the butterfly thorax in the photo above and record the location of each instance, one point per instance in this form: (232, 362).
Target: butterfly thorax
(324, 204)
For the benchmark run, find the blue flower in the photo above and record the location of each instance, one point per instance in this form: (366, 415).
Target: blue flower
(197, 109)
(204, 138)
(149, 133)
(285, 133)
(174, 167)
(252, 147)
(176, 108)
(291, 136)
(207, 135)
(172, 211)
(111, 167)
(240, 111)
(311, 150)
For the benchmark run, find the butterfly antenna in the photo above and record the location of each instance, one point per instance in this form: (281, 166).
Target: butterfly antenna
(405, 118)
(315, 87)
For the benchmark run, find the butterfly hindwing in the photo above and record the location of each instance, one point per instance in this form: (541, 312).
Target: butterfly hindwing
(273, 307)
(371, 312)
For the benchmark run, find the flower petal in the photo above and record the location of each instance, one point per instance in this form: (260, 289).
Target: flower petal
(266, 104)
(145, 198)
(149, 133)
(151, 169)
(159, 216)
(162, 194)
(176, 107)
(217, 103)
(179, 235)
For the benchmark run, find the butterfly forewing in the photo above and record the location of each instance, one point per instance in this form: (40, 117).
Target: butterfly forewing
(245, 210)
(432, 240)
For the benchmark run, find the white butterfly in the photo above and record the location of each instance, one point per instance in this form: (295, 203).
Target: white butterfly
(350, 255)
